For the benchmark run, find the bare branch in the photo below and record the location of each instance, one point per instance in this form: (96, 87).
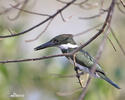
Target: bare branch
(101, 4)
(95, 16)
(18, 14)
(67, 76)
(85, 90)
(80, 3)
(52, 16)
(111, 43)
(86, 31)
(67, 93)
(83, 4)
(119, 44)
(41, 32)
(62, 17)
(89, 6)
(122, 2)
(31, 12)
(90, 29)
(9, 30)
(9, 9)
(34, 59)
(120, 9)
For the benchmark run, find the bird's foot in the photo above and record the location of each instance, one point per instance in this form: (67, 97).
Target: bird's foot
(76, 68)
(78, 75)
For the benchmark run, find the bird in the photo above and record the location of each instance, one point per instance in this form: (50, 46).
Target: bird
(84, 61)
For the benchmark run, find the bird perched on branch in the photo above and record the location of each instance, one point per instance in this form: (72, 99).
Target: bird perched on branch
(84, 62)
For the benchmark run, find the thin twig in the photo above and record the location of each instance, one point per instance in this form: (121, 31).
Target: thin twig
(80, 3)
(9, 9)
(9, 31)
(85, 89)
(89, 6)
(47, 19)
(86, 31)
(95, 16)
(62, 17)
(31, 12)
(101, 5)
(41, 32)
(120, 9)
(68, 93)
(18, 14)
(35, 59)
(122, 2)
(119, 44)
(67, 76)
(111, 43)
(83, 4)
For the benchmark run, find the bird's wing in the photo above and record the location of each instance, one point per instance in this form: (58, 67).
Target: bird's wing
(84, 59)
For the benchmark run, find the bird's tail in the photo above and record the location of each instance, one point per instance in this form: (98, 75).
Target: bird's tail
(108, 80)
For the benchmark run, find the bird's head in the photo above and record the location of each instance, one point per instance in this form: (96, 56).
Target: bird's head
(62, 41)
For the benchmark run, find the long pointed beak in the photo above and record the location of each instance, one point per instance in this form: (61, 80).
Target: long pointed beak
(45, 45)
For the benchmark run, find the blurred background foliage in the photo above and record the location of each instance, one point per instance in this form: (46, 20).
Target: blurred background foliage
(41, 80)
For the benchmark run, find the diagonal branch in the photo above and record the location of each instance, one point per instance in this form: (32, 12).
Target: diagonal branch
(19, 13)
(119, 44)
(122, 2)
(30, 12)
(9, 9)
(94, 16)
(41, 32)
(86, 31)
(113, 46)
(120, 9)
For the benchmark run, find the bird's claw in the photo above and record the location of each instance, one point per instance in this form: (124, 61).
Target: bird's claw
(76, 68)
(78, 75)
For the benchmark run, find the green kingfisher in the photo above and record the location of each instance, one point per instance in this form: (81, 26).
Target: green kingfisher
(84, 61)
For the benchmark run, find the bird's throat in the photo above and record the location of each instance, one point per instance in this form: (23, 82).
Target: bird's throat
(68, 46)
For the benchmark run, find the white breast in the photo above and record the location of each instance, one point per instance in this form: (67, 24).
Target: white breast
(84, 69)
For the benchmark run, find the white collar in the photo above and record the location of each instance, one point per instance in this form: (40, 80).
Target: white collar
(67, 46)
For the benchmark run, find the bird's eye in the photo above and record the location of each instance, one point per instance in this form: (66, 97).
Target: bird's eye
(55, 41)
